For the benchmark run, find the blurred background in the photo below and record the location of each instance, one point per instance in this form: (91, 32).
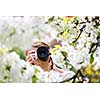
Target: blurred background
(74, 41)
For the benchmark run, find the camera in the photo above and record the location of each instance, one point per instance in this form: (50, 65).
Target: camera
(43, 53)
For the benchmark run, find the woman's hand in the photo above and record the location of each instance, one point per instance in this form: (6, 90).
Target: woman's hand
(31, 56)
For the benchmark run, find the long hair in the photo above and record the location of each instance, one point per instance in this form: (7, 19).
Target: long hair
(38, 44)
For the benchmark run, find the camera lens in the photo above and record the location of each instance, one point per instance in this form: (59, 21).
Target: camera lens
(43, 53)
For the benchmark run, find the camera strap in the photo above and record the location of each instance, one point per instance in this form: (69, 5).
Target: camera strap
(51, 63)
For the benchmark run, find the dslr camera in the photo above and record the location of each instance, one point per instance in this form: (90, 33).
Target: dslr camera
(43, 53)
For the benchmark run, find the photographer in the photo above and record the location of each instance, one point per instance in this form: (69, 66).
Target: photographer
(39, 55)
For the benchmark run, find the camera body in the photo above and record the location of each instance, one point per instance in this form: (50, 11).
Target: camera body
(43, 53)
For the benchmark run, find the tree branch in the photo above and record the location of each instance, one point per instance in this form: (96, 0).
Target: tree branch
(74, 77)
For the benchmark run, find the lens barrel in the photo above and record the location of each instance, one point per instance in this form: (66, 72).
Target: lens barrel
(43, 53)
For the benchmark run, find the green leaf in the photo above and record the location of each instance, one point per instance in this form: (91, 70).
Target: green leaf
(2, 50)
(6, 77)
(2, 81)
(34, 79)
(51, 19)
(13, 32)
(7, 67)
(19, 52)
(64, 53)
(64, 35)
(23, 70)
(36, 33)
(99, 33)
(36, 70)
(91, 58)
(57, 47)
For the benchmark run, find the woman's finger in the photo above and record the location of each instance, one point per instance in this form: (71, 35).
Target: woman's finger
(30, 57)
(30, 61)
(31, 52)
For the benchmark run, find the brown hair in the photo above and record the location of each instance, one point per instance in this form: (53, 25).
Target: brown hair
(38, 44)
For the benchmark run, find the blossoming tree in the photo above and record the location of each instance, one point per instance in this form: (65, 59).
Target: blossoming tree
(80, 37)
(75, 42)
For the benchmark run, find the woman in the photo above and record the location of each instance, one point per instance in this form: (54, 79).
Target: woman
(48, 65)
(55, 74)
